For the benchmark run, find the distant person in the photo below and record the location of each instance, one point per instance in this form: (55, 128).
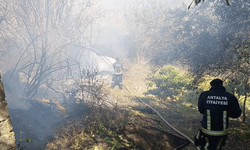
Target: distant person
(216, 105)
(118, 73)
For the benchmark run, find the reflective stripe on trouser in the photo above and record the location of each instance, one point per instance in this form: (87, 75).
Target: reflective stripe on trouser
(207, 144)
(198, 134)
(212, 144)
(219, 144)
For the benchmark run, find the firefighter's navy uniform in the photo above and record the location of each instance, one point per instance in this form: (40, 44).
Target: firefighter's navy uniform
(216, 105)
(117, 76)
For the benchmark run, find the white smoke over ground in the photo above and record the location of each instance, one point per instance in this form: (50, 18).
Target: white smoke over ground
(82, 60)
(99, 62)
(103, 63)
(38, 117)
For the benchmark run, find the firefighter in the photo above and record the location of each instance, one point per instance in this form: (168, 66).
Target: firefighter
(118, 73)
(217, 106)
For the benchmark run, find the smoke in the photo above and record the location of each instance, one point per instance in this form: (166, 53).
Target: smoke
(14, 90)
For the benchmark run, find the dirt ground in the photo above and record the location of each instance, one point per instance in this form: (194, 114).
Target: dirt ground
(147, 136)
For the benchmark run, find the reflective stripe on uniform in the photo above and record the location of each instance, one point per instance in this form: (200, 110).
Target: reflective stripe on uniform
(208, 120)
(224, 120)
(214, 133)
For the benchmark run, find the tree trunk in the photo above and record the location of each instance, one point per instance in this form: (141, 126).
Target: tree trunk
(245, 100)
(244, 108)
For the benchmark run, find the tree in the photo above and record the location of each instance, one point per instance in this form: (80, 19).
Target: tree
(39, 33)
(240, 78)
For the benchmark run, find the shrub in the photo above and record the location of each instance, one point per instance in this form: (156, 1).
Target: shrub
(169, 82)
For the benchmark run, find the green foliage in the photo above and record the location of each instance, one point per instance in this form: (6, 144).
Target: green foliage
(27, 140)
(169, 82)
(113, 139)
(190, 96)
(204, 83)
(237, 84)
(197, 2)
(243, 53)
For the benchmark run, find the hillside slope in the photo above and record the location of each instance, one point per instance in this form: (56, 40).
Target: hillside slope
(129, 124)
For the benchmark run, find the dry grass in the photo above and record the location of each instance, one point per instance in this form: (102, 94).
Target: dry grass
(53, 101)
(90, 132)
